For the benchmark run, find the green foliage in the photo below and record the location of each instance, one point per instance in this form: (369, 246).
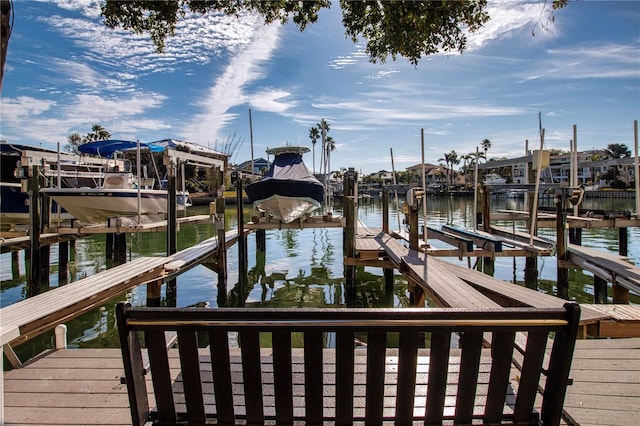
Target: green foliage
(97, 133)
(412, 29)
(554, 152)
(618, 150)
(159, 18)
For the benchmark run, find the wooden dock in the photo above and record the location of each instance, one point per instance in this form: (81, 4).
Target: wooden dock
(28, 318)
(82, 386)
(451, 285)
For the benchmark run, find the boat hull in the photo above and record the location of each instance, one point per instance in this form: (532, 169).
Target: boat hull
(97, 205)
(287, 209)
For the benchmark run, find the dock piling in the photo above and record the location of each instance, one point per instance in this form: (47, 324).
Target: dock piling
(561, 246)
(33, 287)
(221, 252)
(349, 235)
(63, 262)
(172, 225)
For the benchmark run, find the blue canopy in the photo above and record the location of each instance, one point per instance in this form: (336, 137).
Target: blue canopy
(108, 147)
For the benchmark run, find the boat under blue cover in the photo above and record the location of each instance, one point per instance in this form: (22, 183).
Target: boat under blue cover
(288, 190)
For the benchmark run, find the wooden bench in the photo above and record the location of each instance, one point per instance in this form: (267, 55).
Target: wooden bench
(356, 365)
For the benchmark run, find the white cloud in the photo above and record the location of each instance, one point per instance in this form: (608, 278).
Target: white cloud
(25, 118)
(22, 108)
(272, 100)
(509, 18)
(198, 39)
(228, 89)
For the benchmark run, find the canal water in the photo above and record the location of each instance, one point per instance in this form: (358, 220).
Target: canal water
(300, 268)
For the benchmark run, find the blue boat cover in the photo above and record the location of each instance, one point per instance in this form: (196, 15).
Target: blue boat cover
(108, 147)
(288, 176)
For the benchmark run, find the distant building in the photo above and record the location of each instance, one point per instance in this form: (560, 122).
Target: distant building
(260, 166)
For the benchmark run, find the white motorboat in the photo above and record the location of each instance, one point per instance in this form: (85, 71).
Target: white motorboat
(120, 195)
(494, 179)
(288, 191)
(117, 197)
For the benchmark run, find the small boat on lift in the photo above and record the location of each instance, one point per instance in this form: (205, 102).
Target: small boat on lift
(288, 191)
(121, 194)
(494, 179)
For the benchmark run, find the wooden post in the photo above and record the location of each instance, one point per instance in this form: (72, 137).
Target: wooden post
(388, 278)
(221, 253)
(15, 265)
(488, 263)
(387, 272)
(531, 262)
(154, 293)
(63, 262)
(349, 200)
(575, 236)
(261, 239)
(623, 242)
(385, 211)
(417, 297)
(45, 257)
(172, 228)
(599, 290)
(33, 287)
(620, 294)
(242, 241)
(120, 248)
(109, 246)
(561, 247)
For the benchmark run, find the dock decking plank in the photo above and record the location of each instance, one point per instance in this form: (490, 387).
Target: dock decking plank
(34, 402)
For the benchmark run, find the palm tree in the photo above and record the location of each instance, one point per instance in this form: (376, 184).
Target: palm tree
(314, 134)
(323, 127)
(486, 144)
(331, 146)
(98, 133)
(453, 159)
(466, 167)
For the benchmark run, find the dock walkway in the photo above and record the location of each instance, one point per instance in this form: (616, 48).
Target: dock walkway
(82, 386)
(30, 317)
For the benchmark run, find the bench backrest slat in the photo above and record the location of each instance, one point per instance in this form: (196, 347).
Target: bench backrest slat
(502, 353)
(437, 379)
(468, 378)
(407, 366)
(220, 362)
(189, 360)
(345, 360)
(283, 377)
(156, 344)
(376, 353)
(533, 359)
(313, 376)
(252, 376)
(253, 386)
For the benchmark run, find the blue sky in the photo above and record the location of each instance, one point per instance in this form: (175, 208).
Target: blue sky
(66, 71)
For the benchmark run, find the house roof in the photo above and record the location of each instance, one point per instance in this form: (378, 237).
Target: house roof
(427, 167)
